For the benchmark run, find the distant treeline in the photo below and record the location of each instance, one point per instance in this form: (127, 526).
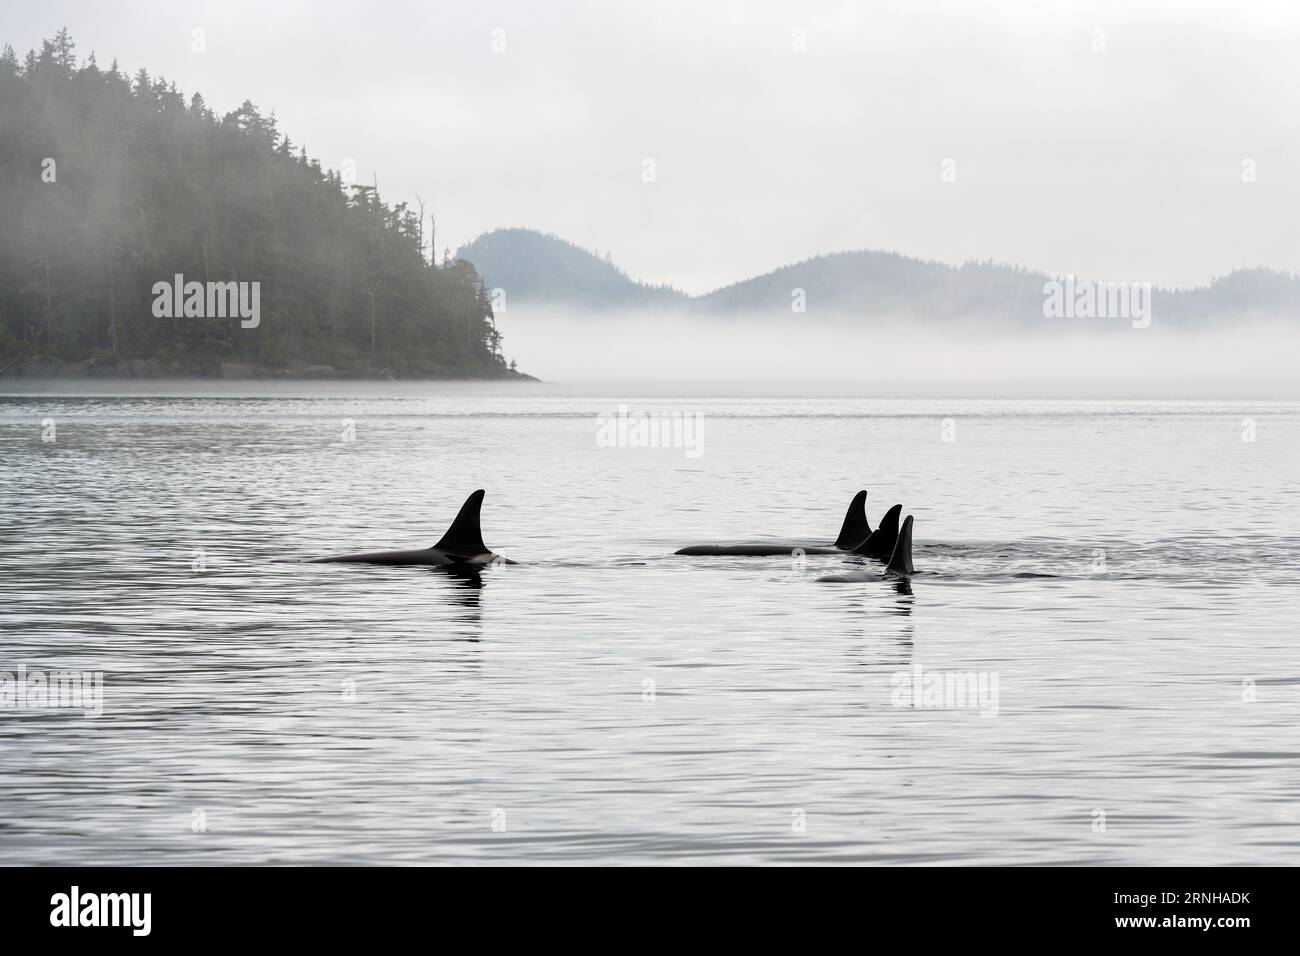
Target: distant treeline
(110, 185)
(864, 285)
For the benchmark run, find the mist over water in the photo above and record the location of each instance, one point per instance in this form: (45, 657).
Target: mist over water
(1095, 358)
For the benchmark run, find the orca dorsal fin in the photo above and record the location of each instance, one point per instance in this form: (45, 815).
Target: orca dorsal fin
(881, 542)
(855, 529)
(465, 538)
(900, 562)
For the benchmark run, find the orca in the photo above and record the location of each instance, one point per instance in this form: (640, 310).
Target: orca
(881, 542)
(900, 562)
(899, 567)
(461, 546)
(853, 532)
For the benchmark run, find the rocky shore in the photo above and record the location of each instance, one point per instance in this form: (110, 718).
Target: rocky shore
(232, 371)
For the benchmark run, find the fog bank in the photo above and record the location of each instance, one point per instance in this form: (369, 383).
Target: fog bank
(1101, 359)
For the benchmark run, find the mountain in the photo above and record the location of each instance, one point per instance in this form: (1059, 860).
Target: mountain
(1241, 293)
(542, 269)
(110, 187)
(867, 285)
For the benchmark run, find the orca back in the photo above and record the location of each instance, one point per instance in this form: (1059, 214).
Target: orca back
(855, 529)
(464, 539)
(900, 562)
(882, 540)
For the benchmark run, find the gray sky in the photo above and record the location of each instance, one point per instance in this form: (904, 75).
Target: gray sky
(1125, 163)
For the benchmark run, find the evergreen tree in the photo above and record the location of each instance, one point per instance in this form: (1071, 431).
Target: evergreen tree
(142, 187)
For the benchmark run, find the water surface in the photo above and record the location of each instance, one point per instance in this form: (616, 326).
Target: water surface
(1128, 570)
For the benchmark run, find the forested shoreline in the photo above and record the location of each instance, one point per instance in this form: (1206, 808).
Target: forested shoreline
(110, 185)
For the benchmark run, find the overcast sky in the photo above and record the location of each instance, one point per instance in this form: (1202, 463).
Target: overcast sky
(1115, 154)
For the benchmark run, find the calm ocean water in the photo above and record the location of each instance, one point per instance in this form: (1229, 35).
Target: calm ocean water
(1127, 572)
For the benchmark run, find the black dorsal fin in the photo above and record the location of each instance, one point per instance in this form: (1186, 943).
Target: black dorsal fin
(465, 538)
(900, 562)
(881, 543)
(855, 529)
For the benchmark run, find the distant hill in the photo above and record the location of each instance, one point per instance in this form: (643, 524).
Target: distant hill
(885, 284)
(1242, 292)
(539, 269)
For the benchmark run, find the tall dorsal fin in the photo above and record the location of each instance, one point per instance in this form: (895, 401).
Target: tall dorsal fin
(855, 529)
(465, 538)
(900, 562)
(881, 542)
